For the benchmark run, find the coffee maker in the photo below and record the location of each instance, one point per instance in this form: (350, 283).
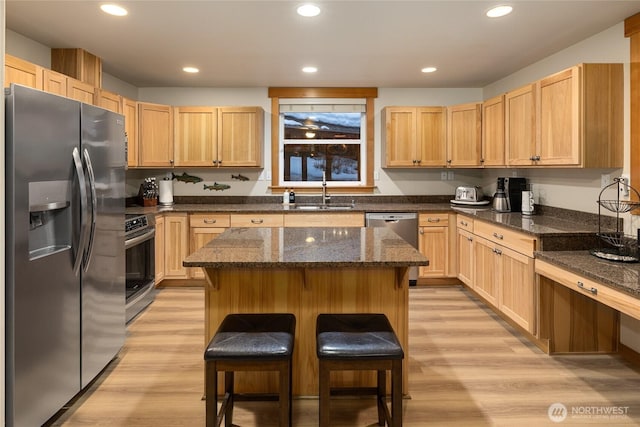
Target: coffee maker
(513, 188)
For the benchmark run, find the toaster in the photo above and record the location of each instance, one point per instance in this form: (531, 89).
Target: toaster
(469, 194)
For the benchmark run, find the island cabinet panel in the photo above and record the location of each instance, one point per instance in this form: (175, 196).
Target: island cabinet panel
(307, 293)
(22, 72)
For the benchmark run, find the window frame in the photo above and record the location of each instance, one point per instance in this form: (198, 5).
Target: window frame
(368, 94)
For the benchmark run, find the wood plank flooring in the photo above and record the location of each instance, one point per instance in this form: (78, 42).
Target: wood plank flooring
(467, 368)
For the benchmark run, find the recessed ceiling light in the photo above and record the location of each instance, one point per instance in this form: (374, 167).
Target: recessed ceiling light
(191, 70)
(114, 9)
(309, 69)
(428, 69)
(498, 11)
(308, 10)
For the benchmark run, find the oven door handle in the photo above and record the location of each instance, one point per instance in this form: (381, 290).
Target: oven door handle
(139, 239)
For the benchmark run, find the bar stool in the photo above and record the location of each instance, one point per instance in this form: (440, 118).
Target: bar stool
(249, 342)
(360, 342)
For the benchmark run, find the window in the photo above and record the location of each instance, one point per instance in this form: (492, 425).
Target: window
(325, 130)
(313, 142)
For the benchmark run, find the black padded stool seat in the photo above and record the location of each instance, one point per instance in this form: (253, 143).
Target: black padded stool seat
(360, 342)
(249, 342)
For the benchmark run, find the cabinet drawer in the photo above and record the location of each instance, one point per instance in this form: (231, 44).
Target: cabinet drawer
(257, 220)
(465, 223)
(519, 242)
(610, 297)
(434, 220)
(209, 220)
(324, 220)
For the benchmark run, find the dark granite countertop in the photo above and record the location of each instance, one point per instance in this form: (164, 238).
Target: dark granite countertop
(306, 248)
(616, 275)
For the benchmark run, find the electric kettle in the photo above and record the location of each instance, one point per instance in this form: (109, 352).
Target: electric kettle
(500, 199)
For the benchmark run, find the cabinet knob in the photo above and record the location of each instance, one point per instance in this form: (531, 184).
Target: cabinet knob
(449, 161)
(464, 223)
(433, 219)
(594, 291)
(171, 161)
(209, 221)
(498, 236)
(257, 221)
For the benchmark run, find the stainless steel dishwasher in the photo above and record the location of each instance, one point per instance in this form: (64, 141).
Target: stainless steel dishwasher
(404, 225)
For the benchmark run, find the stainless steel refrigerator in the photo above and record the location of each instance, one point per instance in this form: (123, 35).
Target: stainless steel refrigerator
(65, 256)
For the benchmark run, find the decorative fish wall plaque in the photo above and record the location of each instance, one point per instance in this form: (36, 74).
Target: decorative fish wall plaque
(239, 177)
(186, 178)
(217, 187)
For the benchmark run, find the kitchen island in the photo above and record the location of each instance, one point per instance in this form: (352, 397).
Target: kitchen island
(307, 271)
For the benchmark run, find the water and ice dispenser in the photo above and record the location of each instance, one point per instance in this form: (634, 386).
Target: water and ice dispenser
(50, 218)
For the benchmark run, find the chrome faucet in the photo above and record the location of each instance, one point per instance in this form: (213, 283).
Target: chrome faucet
(325, 197)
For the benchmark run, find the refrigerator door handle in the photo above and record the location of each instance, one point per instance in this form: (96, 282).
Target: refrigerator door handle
(77, 161)
(94, 209)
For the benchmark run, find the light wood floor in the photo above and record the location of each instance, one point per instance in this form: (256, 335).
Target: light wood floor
(467, 368)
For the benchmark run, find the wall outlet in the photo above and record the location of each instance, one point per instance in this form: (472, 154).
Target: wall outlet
(450, 175)
(443, 176)
(623, 186)
(605, 179)
(376, 176)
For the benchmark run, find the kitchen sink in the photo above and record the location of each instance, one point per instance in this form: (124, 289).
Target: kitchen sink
(324, 207)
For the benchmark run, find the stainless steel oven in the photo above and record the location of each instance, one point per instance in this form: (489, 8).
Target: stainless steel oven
(140, 260)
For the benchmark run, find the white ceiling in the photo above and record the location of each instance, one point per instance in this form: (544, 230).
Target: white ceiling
(352, 42)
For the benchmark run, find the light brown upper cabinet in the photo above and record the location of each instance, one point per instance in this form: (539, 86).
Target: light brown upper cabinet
(63, 85)
(130, 112)
(80, 91)
(54, 82)
(576, 117)
(22, 72)
(493, 132)
(240, 136)
(414, 136)
(464, 135)
(196, 133)
(155, 135)
(78, 64)
(520, 126)
(219, 137)
(108, 100)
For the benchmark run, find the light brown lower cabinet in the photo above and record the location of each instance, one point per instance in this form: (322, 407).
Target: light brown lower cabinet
(437, 241)
(502, 276)
(176, 235)
(159, 248)
(202, 229)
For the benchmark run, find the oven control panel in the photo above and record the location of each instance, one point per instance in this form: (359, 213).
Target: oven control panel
(135, 223)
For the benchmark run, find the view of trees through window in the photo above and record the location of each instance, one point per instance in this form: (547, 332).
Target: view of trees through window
(317, 142)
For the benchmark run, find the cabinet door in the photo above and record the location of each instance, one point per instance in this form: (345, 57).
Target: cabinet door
(199, 237)
(22, 72)
(400, 136)
(54, 82)
(196, 133)
(517, 288)
(486, 270)
(520, 127)
(159, 249)
(257, 220)
(434, 244)
(559, 118)
(176, 246)
(465, 257)
(108, 100)
(80, 91)
(240, 136)
(493, 132)
(431, 141)
(464, 135)
(130, 111)
(155, 135)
